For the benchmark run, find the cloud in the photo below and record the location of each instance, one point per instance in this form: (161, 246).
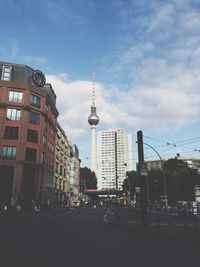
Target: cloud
(74, 100)
(164, 17)
(166, 103)
(162, 109)
(159, 65)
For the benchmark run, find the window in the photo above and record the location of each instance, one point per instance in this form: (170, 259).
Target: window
(43, 158)
(34, 118)
(6, 73)
(32, 136)
(13, 114)
(35, 101)
(61, 170)
(31, 154)
(44, 140)
(56, 167)
(15, 96)
(11, 133)
(9, 152)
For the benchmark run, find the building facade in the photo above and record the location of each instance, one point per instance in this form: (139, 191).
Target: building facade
(28, 118)
(74, 179)
(115, 158)
(62, 168)
(67, 171)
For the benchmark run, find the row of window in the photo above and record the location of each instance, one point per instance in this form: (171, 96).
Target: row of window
(12, 133)
(15, 115)
(10, 152)
(60, 170)
(16, 97)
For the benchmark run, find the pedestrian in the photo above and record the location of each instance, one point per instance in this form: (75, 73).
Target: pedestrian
(5, 208)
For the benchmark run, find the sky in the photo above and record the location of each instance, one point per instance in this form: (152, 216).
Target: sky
(146, 59)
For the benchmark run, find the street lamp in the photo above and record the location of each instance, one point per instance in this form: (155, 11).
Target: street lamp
(129, 186)
(164, 178)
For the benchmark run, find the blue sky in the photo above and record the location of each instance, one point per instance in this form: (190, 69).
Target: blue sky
(146, 56)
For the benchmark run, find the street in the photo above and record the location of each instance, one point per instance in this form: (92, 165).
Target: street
(80, 237)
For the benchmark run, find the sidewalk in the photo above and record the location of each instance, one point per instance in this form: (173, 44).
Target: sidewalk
(170, 227)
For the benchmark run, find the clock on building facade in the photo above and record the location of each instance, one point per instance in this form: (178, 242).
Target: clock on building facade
(38, 78)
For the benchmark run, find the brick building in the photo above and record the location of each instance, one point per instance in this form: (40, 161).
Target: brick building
(28, 119)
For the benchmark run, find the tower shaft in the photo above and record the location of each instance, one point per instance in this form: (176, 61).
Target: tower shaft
(93, 149)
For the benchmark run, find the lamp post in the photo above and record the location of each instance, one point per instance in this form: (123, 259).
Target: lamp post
(164, 178)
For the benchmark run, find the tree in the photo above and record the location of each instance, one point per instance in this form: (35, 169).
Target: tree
(131, 182)
(175, 164)
(179, 177)
(88, 179)
(155, 180)
(180, 180)
(183, 178)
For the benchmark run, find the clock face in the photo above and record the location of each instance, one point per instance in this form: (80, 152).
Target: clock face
(38, 78)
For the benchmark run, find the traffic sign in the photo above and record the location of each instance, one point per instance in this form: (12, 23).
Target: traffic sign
(143, 169)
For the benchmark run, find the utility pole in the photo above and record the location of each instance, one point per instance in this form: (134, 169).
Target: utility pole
(142, 175)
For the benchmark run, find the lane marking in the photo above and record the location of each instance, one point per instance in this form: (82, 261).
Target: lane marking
(59, 215)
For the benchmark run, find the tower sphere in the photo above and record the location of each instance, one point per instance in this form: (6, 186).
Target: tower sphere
(93, 119)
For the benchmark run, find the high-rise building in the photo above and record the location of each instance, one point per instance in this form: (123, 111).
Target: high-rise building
(93, 120)
(115, 158)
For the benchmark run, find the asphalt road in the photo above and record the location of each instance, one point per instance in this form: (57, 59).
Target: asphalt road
(80, 237)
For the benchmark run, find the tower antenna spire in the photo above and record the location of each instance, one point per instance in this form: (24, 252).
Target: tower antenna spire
(93, 89)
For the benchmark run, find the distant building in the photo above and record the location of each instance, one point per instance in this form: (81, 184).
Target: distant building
(74, 174)
(67, 170)
(28, 119)
(193, 163)
(115, 158)
(62, 168)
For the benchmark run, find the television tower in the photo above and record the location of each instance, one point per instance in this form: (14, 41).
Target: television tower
(93, 120)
